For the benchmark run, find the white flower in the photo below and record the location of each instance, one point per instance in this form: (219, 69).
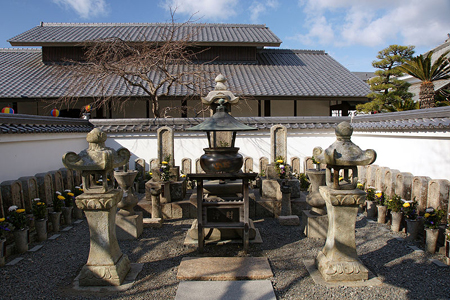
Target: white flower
(12, 208)
(59, 193)
(77, 187)
(37, 199)
(429, 210)
(67, 191)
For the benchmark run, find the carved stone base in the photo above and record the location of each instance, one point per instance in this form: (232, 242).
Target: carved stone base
(332, 270)
(316, 226)
(105, 275)
(129, 227)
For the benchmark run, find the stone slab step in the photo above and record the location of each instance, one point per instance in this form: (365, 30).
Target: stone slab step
(224, 268)
(225, 290)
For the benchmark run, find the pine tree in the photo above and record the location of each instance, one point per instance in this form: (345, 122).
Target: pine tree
(388, 92)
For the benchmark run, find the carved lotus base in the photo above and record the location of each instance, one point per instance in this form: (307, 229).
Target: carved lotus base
(332, 270)
(105, 275)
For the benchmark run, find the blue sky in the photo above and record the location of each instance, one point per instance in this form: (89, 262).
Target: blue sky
(351, 31)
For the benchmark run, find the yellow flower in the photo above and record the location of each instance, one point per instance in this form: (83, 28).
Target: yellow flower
(2, 219)
(182, 175)
(406, 204)
(20, 210)
(426, 215)
(280, 161)
(71, 194)
(60, 197)
(151, 173)
(164, 162)
(379, 195)
(40, 203)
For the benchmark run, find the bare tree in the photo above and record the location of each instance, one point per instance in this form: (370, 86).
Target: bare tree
(153, 67)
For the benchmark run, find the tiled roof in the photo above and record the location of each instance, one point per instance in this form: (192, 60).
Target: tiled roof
(16, 123)
(285, 73)
(432, 119)
(211, 34)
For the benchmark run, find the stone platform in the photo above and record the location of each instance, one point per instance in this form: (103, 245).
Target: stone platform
(224, 268)
(222, 290)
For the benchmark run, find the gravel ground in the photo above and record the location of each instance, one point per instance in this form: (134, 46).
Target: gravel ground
(49, 272)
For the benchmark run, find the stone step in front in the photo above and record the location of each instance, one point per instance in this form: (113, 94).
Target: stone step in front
(225, 290)
(224, 268)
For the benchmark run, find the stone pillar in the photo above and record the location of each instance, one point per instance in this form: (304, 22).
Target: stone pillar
(438, 193)
(315, 221)
(165, 144)
(129, 223)
(45, 187)
(67, 176)
(420, 191)
(263, 162)
(139, 165)
(278, 142)
(403, 185)
(338, 260)
(295, 164)
(186, 166)
(248, 165)
(198, 167)
(380, 173)
(362, 174)
(29, 189)
(390, 180)
(12, 194)
(106, 264)
(57, 179)
(286, 218)
(371, 175)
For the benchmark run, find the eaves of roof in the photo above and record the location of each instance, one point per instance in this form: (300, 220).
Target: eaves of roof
(64, 34)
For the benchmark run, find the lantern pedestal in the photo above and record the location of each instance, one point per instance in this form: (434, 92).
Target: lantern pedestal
(106, 264)
(338, 260)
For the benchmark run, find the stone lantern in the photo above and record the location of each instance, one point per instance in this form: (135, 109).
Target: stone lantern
(338, 260)
(221, 156)
(106, 264)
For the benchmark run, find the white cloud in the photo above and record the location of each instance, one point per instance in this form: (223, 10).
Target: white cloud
(85, 8)
(205, 9)
(258, 8)
(375, 23)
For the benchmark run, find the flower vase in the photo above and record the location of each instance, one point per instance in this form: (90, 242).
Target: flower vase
(41, 229)
(431, 237)
(2, 251)
(370, 209)
(381, 214)
(21, 240)
(77, 213)
(412, 229)
(55, 219)
(67, 215)
(396, 221)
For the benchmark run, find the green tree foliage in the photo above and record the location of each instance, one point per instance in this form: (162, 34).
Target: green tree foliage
(427, 70)
(388, 92)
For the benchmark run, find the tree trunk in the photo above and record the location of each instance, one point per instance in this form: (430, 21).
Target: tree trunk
(426, 94)
(155, 107)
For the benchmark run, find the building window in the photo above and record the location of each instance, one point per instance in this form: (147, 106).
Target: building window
(336, 113)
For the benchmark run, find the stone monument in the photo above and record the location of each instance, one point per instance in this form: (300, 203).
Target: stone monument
(106, 264)
(338, 260)
(270, 185)
(129, 223)
(315, 221)
(174, 188)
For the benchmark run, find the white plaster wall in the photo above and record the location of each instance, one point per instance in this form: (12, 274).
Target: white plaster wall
(29, 154)
(422, 154)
